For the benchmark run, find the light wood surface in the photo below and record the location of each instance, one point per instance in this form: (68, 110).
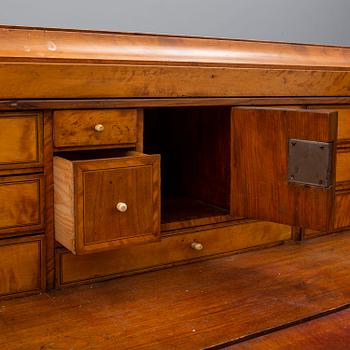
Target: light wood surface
(21, 140)
(22, 265)
(60, 80)
(77, 127)
(64, 206)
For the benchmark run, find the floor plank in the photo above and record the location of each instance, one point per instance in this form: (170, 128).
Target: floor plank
(187, 307)
(329, 332)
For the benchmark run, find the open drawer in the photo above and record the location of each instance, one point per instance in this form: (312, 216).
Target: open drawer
(283, 165)
(104, 203)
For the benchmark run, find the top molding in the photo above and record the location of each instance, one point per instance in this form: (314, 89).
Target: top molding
(18, 44)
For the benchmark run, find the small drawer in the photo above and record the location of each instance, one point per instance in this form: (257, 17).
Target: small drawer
(21, 204)
(342, 209)
(75, 128)
(343, 119)
(343, 166)
(22, 265)
(21, 140)
(102, 204)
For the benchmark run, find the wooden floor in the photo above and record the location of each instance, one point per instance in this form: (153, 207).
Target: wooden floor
(229, 302)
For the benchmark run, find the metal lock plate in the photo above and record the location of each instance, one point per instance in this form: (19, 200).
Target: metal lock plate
(310, 162)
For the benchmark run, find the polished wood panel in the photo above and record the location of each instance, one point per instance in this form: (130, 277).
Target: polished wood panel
(21, 140)
(343, 119)
(188, 307)
(21, 204)
(331, 331)
(77, 127)
(43, 44)
(22, 265)
(260, 186)
(172, 249)
(112, 81)
(88, 191)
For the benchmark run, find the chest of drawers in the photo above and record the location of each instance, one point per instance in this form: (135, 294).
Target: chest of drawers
(121, 153)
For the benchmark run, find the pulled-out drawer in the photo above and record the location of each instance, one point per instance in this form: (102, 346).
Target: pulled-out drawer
(21, 140)
(102, 204)
(22, 265)
(21, 204)
(75, 128)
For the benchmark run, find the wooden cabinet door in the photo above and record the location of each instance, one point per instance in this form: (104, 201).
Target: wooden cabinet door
(283, 166)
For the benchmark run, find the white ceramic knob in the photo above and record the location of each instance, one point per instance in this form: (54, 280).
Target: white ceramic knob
(122, 207)
(197, 246)
(99, 127)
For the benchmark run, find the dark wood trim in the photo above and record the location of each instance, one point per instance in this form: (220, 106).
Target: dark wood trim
(164, 102)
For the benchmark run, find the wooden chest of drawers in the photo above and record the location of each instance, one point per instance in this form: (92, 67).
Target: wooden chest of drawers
(121, 153)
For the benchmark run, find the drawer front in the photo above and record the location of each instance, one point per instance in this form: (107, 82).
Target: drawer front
(21, 265)
(170, 249)
(21, 140)
(103, 204)
(343, 119)
(342, 209)
(343, 166)
(74, 128)
(21, 204)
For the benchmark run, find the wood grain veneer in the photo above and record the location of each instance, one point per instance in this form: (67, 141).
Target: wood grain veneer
(260, 188)
(21, 204)
(77, 127)
(21, 140)
(22, 265)
(49, 63)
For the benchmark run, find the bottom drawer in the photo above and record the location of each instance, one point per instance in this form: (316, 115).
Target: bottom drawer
(341, 217)
(171, 249)
(342, 209)
(21, 265)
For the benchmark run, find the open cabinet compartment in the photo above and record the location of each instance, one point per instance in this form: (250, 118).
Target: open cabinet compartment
(195, 148)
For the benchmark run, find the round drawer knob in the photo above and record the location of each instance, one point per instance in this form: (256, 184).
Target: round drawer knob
(99, 127)
(197, 246)
(122, 207)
